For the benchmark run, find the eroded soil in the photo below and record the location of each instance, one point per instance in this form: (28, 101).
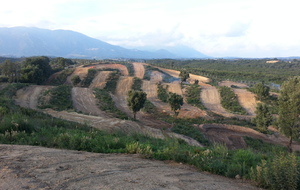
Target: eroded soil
(27, 167)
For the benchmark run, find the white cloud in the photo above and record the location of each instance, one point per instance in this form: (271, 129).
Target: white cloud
(215, 27)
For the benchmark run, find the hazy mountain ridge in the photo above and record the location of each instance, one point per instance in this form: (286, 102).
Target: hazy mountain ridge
(25, 41)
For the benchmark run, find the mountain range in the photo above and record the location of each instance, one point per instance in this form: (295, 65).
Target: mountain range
(28, 41)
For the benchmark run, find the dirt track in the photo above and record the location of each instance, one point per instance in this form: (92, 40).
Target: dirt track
(211, 99)
(139, 70)
(122, 68)
(232, 136)
(28, 167)
(246, 99)
(100, 80)
(80, 71)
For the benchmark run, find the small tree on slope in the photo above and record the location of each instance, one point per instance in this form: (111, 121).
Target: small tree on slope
(136, 100)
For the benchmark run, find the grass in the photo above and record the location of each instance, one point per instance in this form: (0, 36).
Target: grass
(106, 103)
(89, 78)
(260, 163)
(112, 81)
(59, 98)
(229, 101)
(62, 77)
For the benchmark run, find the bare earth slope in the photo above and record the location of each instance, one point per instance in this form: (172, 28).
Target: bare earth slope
(139, 70)
(100, 80)
(27, 167)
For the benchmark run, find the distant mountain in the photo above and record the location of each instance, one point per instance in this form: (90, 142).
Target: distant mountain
(25, 41)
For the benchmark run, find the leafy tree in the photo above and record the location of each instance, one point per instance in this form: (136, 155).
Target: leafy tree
(11, 70)
(289, 109)
(75, 80)
(60, 63)
(184, 75)
(175, 101)
(263, 117)
(136, 100)
(36, 70)
(261, 90)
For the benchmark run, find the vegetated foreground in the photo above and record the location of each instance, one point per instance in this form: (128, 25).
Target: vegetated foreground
(28, 167)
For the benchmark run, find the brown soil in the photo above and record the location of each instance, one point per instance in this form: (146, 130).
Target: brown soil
(84, 101)
(246, 99)
(211, 99)
(232, 136)
(28, 96)
(122, 68)
(100, 80)
(28, 167)
(80, 71)
(139, 70)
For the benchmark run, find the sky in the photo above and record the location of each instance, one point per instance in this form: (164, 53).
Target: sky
(218, 28)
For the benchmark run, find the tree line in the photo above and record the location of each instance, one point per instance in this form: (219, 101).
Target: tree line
(32, 70)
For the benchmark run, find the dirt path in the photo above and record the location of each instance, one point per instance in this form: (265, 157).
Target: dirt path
(232, 136)
(100, 80)
(246, 99)
(211, 99)
(121, 68)
(29, 167)
(84, 101)
(139, 70)
(80, 71)
(28, 96)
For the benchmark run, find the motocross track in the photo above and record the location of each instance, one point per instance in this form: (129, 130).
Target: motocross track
(29, 167)
(232, 136)
(122, 68)
(139, 70)
(100, 80)
(246, 99)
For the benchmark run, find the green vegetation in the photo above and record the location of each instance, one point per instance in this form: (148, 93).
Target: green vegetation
(86, 82)
(193, 96)
(75, 80)
(184, 75)
(129, 67)
(162, 92)
(229, 100)
(36, 70)
(106, 103)
(137, 84)
(165, 76)
(289, 102)
(261, 90)
(61, 78)
(175, 101)
(112, 81)
(247, 70)
(58, 98)
(60, 63)
(136, 101)
(11, 70)
(149, 108)
(263, 117)
(268, 167)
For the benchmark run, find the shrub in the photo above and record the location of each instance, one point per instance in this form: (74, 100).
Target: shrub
(89, 78)
(229, 100)
(162, 92)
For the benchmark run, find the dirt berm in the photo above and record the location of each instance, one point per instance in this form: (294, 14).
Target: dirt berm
(27, 167)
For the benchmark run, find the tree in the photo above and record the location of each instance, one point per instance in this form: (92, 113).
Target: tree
(289, 109)
(175, 101)
(136, 100)
(75, 80)
(11, 70)
(36, 70)
(263, 117)
(184, 75)
(261, 90)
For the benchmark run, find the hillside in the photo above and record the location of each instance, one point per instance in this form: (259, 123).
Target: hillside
(23, 41)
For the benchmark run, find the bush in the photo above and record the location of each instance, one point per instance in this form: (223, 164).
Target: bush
(229, 100)
(89, 78)
(162, 92)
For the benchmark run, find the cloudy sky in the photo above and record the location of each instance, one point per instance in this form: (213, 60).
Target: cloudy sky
(243, 28)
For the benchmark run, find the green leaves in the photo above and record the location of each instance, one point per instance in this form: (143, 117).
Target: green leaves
(136, 100)
(175, 101)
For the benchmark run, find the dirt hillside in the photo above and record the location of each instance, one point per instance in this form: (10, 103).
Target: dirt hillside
(139, 70)
(100, 80)
(27, 167)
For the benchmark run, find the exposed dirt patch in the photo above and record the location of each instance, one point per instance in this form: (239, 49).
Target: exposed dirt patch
(80, 71)
(246, 99)
(100, 80)
(232, 136)
(28, 96)
(28, 167)
(84, 101)
(122, 68)
(210, 97)
(139, 70)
